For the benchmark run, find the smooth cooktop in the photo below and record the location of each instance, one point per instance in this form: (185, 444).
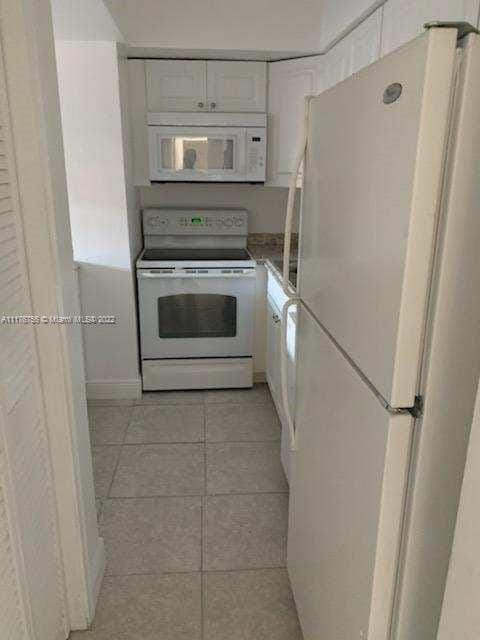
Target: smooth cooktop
(196, 254)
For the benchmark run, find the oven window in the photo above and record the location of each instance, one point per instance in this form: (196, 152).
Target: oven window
(197, 153)
(197, 315)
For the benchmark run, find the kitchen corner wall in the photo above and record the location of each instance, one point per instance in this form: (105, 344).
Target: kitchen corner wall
(103, 211)
(266, 205)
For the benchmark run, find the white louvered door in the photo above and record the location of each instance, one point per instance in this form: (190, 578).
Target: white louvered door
(32, 599)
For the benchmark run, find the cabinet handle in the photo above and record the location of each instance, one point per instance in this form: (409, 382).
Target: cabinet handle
(276, 318)
(213, 105)
(201, 105)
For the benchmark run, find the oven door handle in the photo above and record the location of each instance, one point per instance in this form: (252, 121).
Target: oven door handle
(157, 276)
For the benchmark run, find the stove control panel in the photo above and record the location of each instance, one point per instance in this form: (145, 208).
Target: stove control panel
(195, 222)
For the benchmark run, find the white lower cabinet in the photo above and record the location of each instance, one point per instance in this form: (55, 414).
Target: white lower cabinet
(404, 19)
(274, 329)
(276, 299)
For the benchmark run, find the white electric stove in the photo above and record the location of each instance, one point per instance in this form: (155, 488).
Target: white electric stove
(196, 298)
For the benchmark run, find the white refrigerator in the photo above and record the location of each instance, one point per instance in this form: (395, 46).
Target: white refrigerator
(388, 340)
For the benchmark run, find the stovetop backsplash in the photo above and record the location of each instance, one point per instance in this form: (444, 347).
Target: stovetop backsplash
(271, 240)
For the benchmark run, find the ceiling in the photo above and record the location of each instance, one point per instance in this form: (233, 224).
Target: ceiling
(247, 29)
(219, 29)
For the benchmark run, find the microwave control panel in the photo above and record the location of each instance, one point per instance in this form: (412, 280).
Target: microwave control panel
(256, 154)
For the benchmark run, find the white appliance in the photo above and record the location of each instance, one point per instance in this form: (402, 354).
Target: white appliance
(388, 340)
(196, 296)
(207, 147)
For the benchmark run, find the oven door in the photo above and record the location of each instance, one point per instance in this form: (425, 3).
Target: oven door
(192, 315)
(197, 154)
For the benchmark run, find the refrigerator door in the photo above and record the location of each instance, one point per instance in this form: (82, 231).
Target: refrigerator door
(449, 375)
(373, 175)
(348, 482)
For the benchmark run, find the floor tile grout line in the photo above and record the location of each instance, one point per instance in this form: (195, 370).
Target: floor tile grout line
(199, 495)
(182, 404)
(275, 567)
(119, 455)
(151, 442)
(169, 404)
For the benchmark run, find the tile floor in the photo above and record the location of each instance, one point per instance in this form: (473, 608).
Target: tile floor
(192, 504)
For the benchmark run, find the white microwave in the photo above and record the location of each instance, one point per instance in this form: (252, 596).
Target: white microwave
(207, 147)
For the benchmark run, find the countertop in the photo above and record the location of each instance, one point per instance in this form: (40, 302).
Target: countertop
(270, 253)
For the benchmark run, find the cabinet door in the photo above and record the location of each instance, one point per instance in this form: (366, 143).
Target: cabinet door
(273, 348)
(176, 85)
(138, 119)
(404, 19)
(359, 49)
(289, 83)
(236, 86)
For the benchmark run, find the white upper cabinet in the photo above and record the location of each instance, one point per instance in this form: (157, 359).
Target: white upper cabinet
(236, 86)
(138, 121)
(176, 85)
(199, 85)
(357, 50)
(404, 19)
(289, 83)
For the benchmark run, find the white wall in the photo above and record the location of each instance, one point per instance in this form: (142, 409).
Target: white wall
(266, 205)
(461, 612)
(84, 20)
(101, 210)
(229, 24)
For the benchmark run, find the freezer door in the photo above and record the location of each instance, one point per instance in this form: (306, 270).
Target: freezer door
(373, 176)
(348, 482)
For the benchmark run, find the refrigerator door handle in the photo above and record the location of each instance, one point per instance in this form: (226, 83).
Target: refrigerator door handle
(291, 196)
(283, 371)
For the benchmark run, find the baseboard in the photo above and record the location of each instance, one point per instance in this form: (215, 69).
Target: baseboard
(114, 389)
(259, 376)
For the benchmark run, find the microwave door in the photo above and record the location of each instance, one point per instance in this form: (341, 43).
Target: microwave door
(196, 154)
